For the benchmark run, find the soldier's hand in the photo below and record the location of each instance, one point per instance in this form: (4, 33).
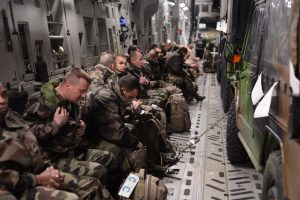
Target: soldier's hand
(50, 178)
(144, 80)
(61, 116)
(81, 131)
(136, 104)
(152, 83)
(140, 145)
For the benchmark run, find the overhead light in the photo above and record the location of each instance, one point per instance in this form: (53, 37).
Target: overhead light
(185, 8)
(181, 5)
(171, 3)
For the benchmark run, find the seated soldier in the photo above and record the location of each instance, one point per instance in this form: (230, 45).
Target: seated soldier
(136, 69)
(54, 118)
(180, 76)
(107, 111)
(121, 63)
(104, 71)
(24, 174)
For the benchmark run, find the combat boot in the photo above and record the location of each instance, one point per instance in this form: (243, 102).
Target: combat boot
(198, 97)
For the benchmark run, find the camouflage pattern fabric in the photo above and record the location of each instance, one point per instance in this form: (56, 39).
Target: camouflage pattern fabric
(101, 76)
(83, 168)
(155, 69)
(106, 116)
(5, 195)
(119, 152)
(39, 113)
(188, 87)
(87, 188)
(57, 142)
(20, 160)
(102, 157)
(174, 63)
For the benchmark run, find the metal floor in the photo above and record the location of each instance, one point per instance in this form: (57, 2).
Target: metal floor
(205, 173)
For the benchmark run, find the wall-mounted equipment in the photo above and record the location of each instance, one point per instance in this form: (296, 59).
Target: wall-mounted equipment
(7, 32)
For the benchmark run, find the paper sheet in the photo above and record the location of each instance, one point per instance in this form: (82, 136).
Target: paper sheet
(294, 82)
(263, 108)
(257, 92)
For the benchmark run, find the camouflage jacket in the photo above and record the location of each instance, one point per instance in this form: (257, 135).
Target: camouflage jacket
(101, 75)
(136, 72)
(20, 156)
(39, 113)
(153, 70)
(175, 63)
(106, 116)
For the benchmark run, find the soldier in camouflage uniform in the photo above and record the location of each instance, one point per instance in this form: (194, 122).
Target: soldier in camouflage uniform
(54, 118)
(180, 76)
(121, 63)
(106, 122)
(136, 69)
(104, 71)
(24, 174)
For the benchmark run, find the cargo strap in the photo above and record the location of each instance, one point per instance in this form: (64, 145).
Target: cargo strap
(194, 140)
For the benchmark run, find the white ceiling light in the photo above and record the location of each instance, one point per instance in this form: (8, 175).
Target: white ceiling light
(181, 5)
(185, 8)
(171, 3)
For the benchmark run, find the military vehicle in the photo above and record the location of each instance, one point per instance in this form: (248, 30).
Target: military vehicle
(237, 14)
(263, 120)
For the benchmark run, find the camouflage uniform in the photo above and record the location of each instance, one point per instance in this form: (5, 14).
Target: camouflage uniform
(179, 76)
(155, 98)
(60, 145)
(21, 160)
(101, 76)
(106, 125)
(107, 111)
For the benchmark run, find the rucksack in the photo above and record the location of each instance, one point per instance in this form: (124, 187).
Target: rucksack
(148, 188)
(178, 114)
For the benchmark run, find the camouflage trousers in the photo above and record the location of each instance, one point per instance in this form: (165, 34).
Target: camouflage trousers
(118, 152)
(73, 188)
(186, 84)
(117, 175)
(40, 193)
(87, 188)
(82, 168)
(94, 164)
(105, 158)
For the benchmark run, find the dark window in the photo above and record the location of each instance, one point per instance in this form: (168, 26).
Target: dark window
(107, 12)
(255, 37)
(111, 39)
(19, 2)
(204, 8)
(275, 49)
(103, 38)
(25, 46)
(77, 7)
(113, 13)
(37, 3)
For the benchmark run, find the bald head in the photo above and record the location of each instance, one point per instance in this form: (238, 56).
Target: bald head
(107, 59)
(153, 55)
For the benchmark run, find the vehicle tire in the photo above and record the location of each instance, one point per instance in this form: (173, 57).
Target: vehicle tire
(236, 152)
(221, 65)
(226, 93)
(219, 72)
(272, 182)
